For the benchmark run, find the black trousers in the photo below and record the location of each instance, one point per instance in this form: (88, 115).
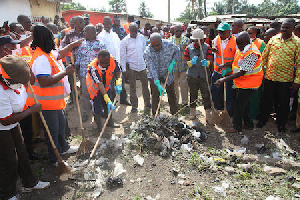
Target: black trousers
(242, 109)
(14, 161)
(26, 126)
(279, 91)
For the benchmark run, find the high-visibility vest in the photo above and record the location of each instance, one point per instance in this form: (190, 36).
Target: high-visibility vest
(26, 54)
(258, 42)
(251, 79)
(69, 53)
(126, 26)
(51, 97)
(228, 54)
(90, 83)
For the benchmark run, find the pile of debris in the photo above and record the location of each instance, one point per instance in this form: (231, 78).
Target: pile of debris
(164, 135)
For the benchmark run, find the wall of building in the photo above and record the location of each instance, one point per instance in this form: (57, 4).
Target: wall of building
(10, 9)
(44, 8)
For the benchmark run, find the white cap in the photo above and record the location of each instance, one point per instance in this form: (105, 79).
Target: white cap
(198, 34)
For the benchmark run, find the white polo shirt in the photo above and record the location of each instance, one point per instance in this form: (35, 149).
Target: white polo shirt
(11, 102)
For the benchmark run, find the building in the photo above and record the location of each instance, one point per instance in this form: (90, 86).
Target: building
(10, 9)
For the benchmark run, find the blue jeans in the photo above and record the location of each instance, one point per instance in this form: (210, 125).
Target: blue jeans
(56, 122)
(218, 94)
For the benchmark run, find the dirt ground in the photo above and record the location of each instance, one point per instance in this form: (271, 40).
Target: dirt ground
(158, 176)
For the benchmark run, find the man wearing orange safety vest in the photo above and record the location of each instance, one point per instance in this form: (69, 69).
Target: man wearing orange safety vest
(98, 80)
(247, 77)
(224, 47)
(126, 25)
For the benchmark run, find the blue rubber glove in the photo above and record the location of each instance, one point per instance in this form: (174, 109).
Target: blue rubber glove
(204, 62)
(226, 71)
(118, 89)
(110, 107)
(194, 60)
(171, 66)
(160, 88)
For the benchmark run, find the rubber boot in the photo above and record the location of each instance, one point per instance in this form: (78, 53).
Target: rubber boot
(192, 113)
(112, 124)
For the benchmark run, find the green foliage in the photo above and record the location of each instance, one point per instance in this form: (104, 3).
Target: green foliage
(117, 6)
(72, 6)
(144, 11)
(99, 10)
(187, 15)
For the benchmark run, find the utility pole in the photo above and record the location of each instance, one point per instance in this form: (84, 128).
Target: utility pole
(169, 11)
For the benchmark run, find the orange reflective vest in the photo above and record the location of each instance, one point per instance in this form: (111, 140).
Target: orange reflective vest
(90, 83)
(69, 54)
(51, 97)
(228, 54)
(258, 42)
(126, 26)
(251, 79)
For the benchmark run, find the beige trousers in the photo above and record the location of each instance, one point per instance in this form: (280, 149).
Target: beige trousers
(180, 80)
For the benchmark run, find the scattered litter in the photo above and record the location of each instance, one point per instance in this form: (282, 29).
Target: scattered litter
(273, 198)
(261, 148)
(187, 147)
(276, 155)
(240, 150)
(157, 197)
(180, 181)
(244, 140)
(139, 160)
(221, 189)
(118, 169)
(274, 170)
(97, 192)
(290, 179)
(114, 182)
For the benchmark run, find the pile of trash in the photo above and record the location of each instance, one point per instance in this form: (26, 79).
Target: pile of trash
(164, 135)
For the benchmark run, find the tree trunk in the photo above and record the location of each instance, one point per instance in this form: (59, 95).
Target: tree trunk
(204, 4)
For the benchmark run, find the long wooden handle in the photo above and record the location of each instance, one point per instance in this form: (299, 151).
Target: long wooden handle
(207, 82)
(161, 96)
(59, 159)
(103, 129)
(225, 96)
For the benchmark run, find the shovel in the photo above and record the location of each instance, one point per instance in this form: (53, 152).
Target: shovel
(161, 96)
(102, 131)
(62, 167)
(212, 115)
(86, 145)
(224, 116)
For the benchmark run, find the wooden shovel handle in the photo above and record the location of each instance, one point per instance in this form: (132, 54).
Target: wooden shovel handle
(161, 96)
(59, 159)
(104, 127)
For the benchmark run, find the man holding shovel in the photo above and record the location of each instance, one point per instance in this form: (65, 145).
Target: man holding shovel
(247, 77)
(196, 71)
(160, 57)
(98, 80)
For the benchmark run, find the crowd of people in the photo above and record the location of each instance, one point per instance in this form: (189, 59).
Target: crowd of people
(254, 74)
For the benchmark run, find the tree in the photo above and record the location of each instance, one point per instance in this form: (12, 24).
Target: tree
(99, 10)
(72, 6)
(187, 15)
(219, 8)
(117, 6)
(144, 11)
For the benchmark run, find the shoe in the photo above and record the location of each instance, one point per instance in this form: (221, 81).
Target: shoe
(232, 130)
(246, 127)
(13, 198)
(39, 186)
(125, 102)
(134, 110)
(85, 118)
(295, 130)
(72, 149)
(281, 128)
(260, 124)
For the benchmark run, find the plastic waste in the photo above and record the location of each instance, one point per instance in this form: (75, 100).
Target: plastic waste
(245, 140)
(118, 169)
(139, 160)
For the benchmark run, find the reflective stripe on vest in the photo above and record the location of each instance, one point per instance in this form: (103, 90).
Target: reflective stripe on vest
(228, 54)
(258, 42)
(251, 79)
(91, 85)
(51, 97)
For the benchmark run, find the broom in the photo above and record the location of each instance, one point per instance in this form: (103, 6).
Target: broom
(86, 145)
(102, 131)
(213, 115)
(161, 96)
(62, 167)
(224, 116)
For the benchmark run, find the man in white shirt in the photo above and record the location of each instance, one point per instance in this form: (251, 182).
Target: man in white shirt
(132, 51)
(112, 42)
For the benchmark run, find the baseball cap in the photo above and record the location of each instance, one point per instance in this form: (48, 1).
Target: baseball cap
(8, 40)
(223, 27)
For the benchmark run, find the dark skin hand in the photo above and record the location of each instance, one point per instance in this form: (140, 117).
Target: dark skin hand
(64, 51)
(46, 81)
(220, 81)
(16, 117)
(226, 65)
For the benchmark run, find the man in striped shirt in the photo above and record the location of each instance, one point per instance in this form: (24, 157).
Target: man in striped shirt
(280, 57)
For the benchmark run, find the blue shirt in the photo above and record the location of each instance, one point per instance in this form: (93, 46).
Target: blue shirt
(158, 62)
(87, 52)
(121, 32)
